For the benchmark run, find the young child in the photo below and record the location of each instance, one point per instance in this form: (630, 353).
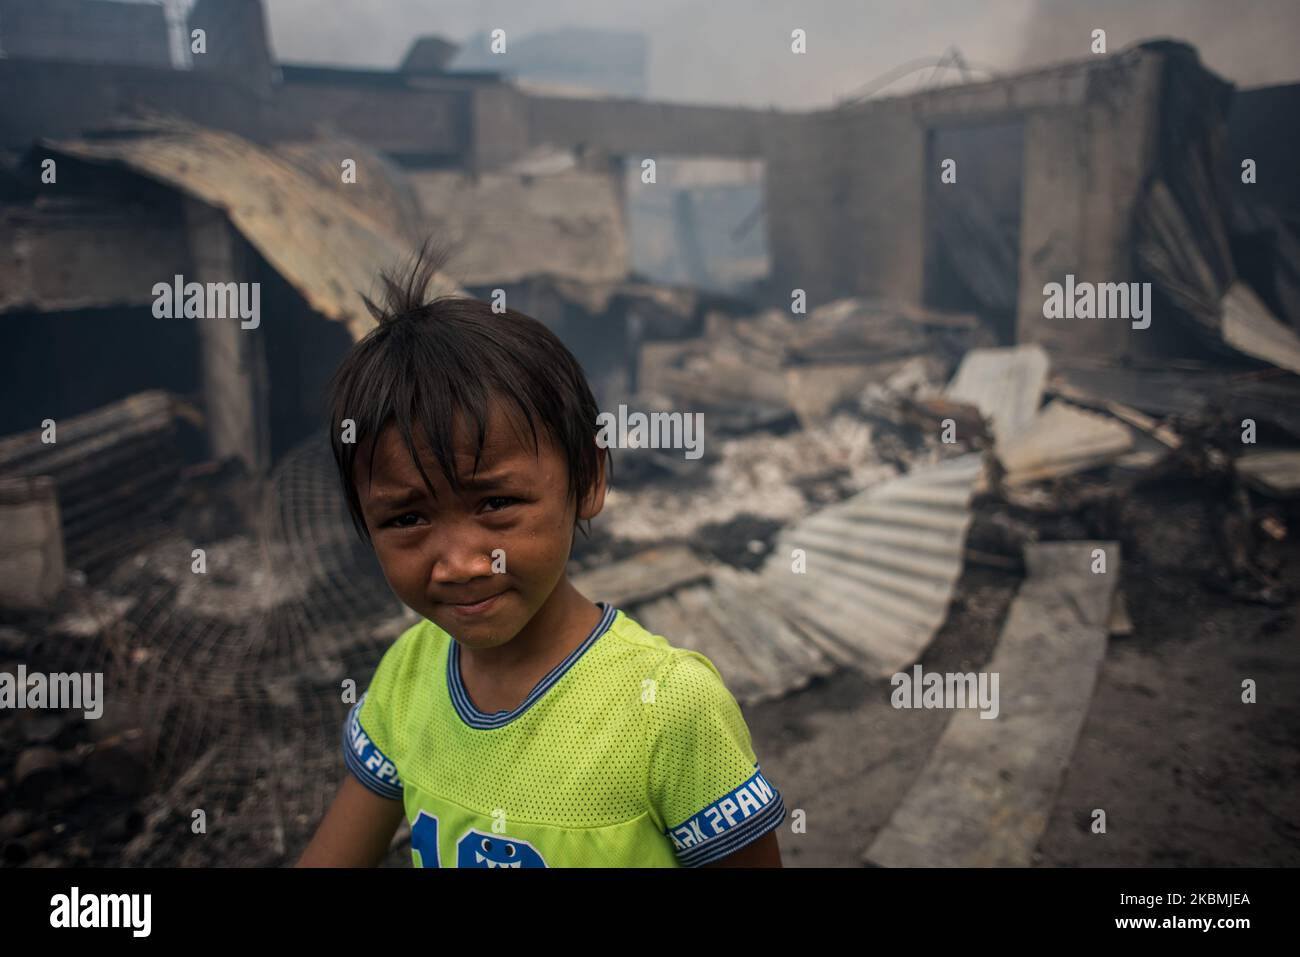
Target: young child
(518, 724)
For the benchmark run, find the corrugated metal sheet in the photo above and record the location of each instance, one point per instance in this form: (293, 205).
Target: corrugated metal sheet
(1062, 440)
(382, 191)
(985, 793)
(880, 566)
(645, 576)
(880, 571)
(1249, 327)
(328, 250)
(759, 651)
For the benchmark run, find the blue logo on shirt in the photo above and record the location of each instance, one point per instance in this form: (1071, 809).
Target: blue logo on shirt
(477, 849)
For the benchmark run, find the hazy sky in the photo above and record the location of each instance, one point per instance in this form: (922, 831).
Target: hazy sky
(715, 51)
(737, 51)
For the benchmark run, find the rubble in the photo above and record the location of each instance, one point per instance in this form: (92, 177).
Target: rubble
(889, 555)
(645, 576)
(31, 542)
(1062, 440)
(844, 462)
(1120, 624)
(756, 475)
(1269, 251)
(985, 793)
(1189, 390)
(808, 366)
(1006, 385)
(114, 471)
(824, 429)
(242, 666)
(1249, 327)
(328, 248)
(1275, 473)
(1050, 432)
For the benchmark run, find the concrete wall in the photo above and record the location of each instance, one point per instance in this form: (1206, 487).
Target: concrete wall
(798, 207)
(844, 204)
(1052, 235)
(637, 128)
(44, 99)
(94, 31)
(498, 128)
(71, 254)
(236, 41)
(880, 170)
(506, 227)
(1084, 168)
(392, 119)
(846, 188)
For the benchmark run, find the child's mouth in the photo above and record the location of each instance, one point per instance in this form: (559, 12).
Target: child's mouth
(477, 608)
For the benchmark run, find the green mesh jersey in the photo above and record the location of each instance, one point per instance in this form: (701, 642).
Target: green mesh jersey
(629, 753)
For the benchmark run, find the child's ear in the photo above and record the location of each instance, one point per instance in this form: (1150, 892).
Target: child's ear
(594, 500)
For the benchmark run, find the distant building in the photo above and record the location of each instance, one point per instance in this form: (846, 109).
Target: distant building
(601, 60)
(1057, 164)
(429, 54)
(89, 31)
(236, 40)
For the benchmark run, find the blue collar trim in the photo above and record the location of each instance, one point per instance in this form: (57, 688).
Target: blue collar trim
(485, 721)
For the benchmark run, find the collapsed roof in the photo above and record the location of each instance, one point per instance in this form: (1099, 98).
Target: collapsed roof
(330, 250)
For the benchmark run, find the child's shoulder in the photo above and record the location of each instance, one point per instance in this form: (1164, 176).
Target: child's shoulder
(638, 642)
(412, 649)
(656, 657)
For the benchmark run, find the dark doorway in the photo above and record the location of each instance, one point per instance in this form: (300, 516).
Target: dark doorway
(61, 364)
(972, 258)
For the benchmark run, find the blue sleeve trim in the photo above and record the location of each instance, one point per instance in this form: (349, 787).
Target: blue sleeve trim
(370, 765)
(739, 817)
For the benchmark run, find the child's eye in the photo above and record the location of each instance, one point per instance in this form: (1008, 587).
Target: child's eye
(397, 522)
(500, 498)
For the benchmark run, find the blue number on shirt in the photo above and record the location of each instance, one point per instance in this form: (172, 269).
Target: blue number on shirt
(424, 839)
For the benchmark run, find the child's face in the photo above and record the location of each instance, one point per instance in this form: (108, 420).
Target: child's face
(438, 554)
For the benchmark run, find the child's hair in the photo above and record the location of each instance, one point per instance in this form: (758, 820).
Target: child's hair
(428, 362)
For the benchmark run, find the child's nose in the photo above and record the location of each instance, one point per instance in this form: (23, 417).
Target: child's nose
(460, 558)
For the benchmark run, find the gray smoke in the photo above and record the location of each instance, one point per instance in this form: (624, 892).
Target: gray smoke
(737, 51)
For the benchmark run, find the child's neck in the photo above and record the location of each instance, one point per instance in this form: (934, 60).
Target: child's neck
(500, 678)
